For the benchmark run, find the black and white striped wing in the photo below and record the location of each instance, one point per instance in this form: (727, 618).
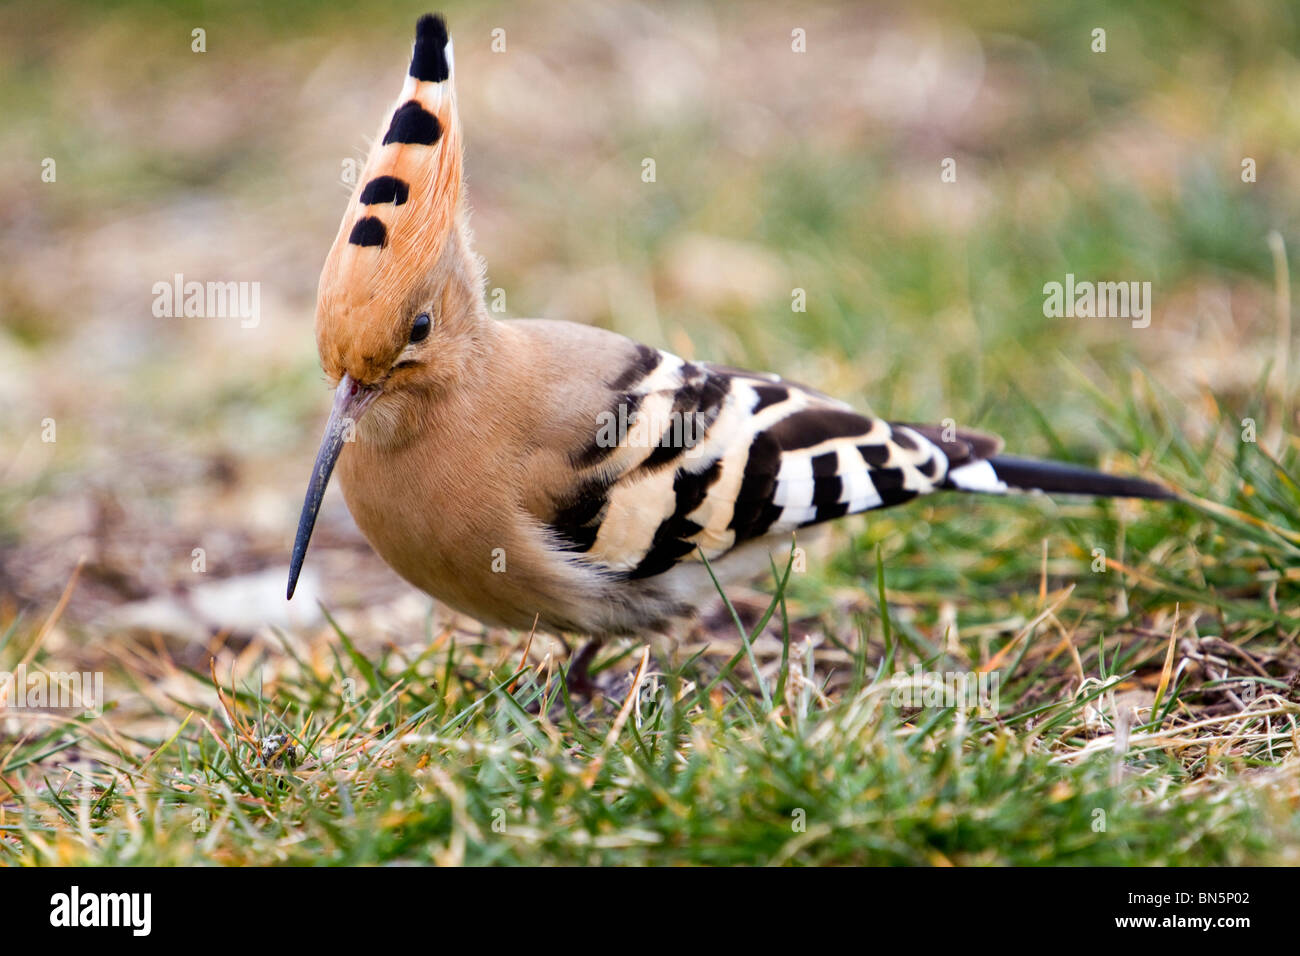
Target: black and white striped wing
(710, 457)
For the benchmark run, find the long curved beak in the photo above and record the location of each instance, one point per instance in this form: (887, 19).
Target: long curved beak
(350, 402)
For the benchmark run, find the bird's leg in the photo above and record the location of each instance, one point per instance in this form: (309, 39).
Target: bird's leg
(577, 678)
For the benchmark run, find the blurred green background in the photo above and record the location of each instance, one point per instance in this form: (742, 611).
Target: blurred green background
(182, 445)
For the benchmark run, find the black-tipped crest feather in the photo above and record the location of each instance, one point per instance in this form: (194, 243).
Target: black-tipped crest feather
(429, 59)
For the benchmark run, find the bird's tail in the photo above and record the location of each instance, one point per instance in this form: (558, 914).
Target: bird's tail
(975, 463)
(1002, 473)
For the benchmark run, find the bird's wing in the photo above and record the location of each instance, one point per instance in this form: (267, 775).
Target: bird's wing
(691, 456)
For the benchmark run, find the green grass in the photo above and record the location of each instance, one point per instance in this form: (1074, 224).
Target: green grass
(457, 753)
(463, 774)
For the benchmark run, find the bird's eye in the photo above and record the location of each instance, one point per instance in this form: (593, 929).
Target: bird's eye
(420, 329)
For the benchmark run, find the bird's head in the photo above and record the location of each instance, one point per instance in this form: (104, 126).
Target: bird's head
(400, 292)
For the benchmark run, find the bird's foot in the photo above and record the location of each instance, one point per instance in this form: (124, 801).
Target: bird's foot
(595, 693)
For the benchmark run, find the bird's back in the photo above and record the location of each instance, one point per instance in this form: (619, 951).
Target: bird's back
(651, 461)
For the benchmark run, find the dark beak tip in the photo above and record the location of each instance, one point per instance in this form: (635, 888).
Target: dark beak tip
(299, 555)
(350, 402)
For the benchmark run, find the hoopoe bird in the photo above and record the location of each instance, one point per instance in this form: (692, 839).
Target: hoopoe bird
(542, 473)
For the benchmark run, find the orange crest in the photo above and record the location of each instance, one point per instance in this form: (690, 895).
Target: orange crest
(398, 219)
